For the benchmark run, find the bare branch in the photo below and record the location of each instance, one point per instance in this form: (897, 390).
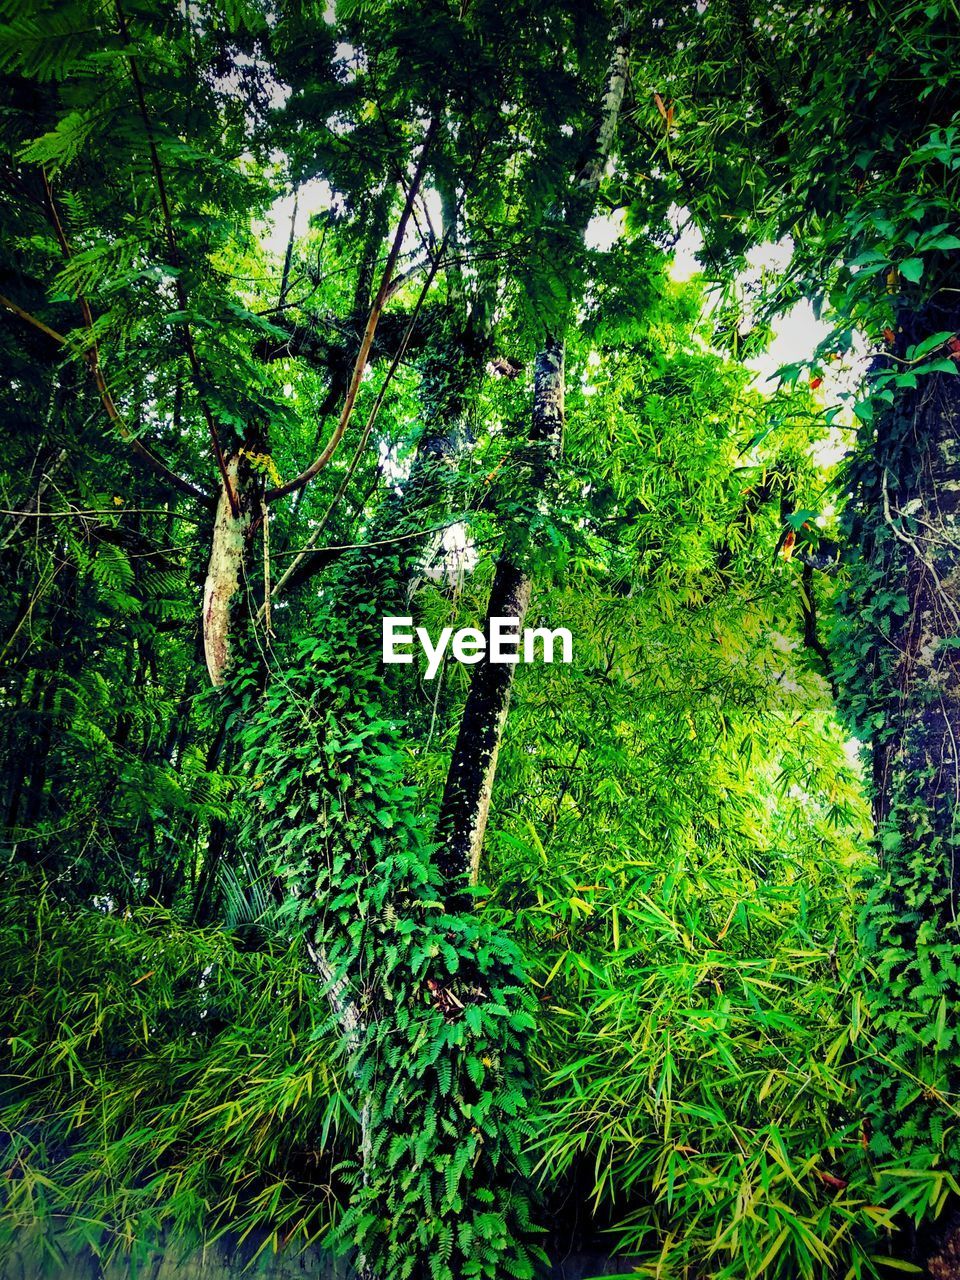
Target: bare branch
(32, 320)
(360, 363)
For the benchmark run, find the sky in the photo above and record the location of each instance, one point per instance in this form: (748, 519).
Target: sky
(796, 333)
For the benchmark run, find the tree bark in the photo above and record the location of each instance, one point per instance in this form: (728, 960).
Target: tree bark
(915, 754)
(899, 681)
(465, 805)
(231, 539)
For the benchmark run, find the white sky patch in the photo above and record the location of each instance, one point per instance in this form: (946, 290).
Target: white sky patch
(278, 94)
(796, 335)
(449, 557)
(826, 453)
(459, 553)
(395, 469)
(686, 262)
(772, 256)
(315, 196)
(354, 59)
(593, 361)
(604, 230)
(427, 213)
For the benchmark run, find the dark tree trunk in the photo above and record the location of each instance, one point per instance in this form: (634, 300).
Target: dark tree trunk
(466, 798)
(465, 805)
(900, 684)
(915, 750)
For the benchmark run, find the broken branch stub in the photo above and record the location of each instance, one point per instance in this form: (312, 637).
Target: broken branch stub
(231, 539)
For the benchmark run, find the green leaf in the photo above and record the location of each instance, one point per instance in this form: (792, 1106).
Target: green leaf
(928, 344)
(912, 269)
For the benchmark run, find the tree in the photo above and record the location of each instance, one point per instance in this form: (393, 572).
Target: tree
(467, 386)
(866, 195)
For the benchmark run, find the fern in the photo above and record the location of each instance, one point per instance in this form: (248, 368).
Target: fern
(113, 571)
(48, 46)
(62, 146)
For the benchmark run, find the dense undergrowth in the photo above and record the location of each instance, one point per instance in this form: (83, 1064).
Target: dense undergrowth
(696, 1038)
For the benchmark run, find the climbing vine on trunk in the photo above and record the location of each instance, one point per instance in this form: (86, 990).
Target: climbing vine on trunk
(438, 1040)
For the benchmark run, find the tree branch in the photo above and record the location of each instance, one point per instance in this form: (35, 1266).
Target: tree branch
(32, 320)
(288, 256)
(360, 363)
(811, 635)
(294, 572)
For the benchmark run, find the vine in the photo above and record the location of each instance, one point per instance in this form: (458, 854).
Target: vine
(433, 1008)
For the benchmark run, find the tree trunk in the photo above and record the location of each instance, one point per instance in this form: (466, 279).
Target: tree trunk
(465, 805)
(225, 572)
(900, 685)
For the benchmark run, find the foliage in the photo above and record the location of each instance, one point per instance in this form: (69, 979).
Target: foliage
(698, 991)
(864, 200)
(439, 1018)
(159, 1077)
(701, 1035)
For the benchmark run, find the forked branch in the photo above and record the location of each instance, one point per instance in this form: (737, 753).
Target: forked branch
(368, 335)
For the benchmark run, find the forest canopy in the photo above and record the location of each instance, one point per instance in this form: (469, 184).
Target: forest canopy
(636, 320)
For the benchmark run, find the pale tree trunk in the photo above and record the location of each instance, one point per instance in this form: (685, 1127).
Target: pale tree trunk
(229, 547)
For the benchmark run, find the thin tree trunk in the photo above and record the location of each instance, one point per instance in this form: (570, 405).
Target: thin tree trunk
(465, 805)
